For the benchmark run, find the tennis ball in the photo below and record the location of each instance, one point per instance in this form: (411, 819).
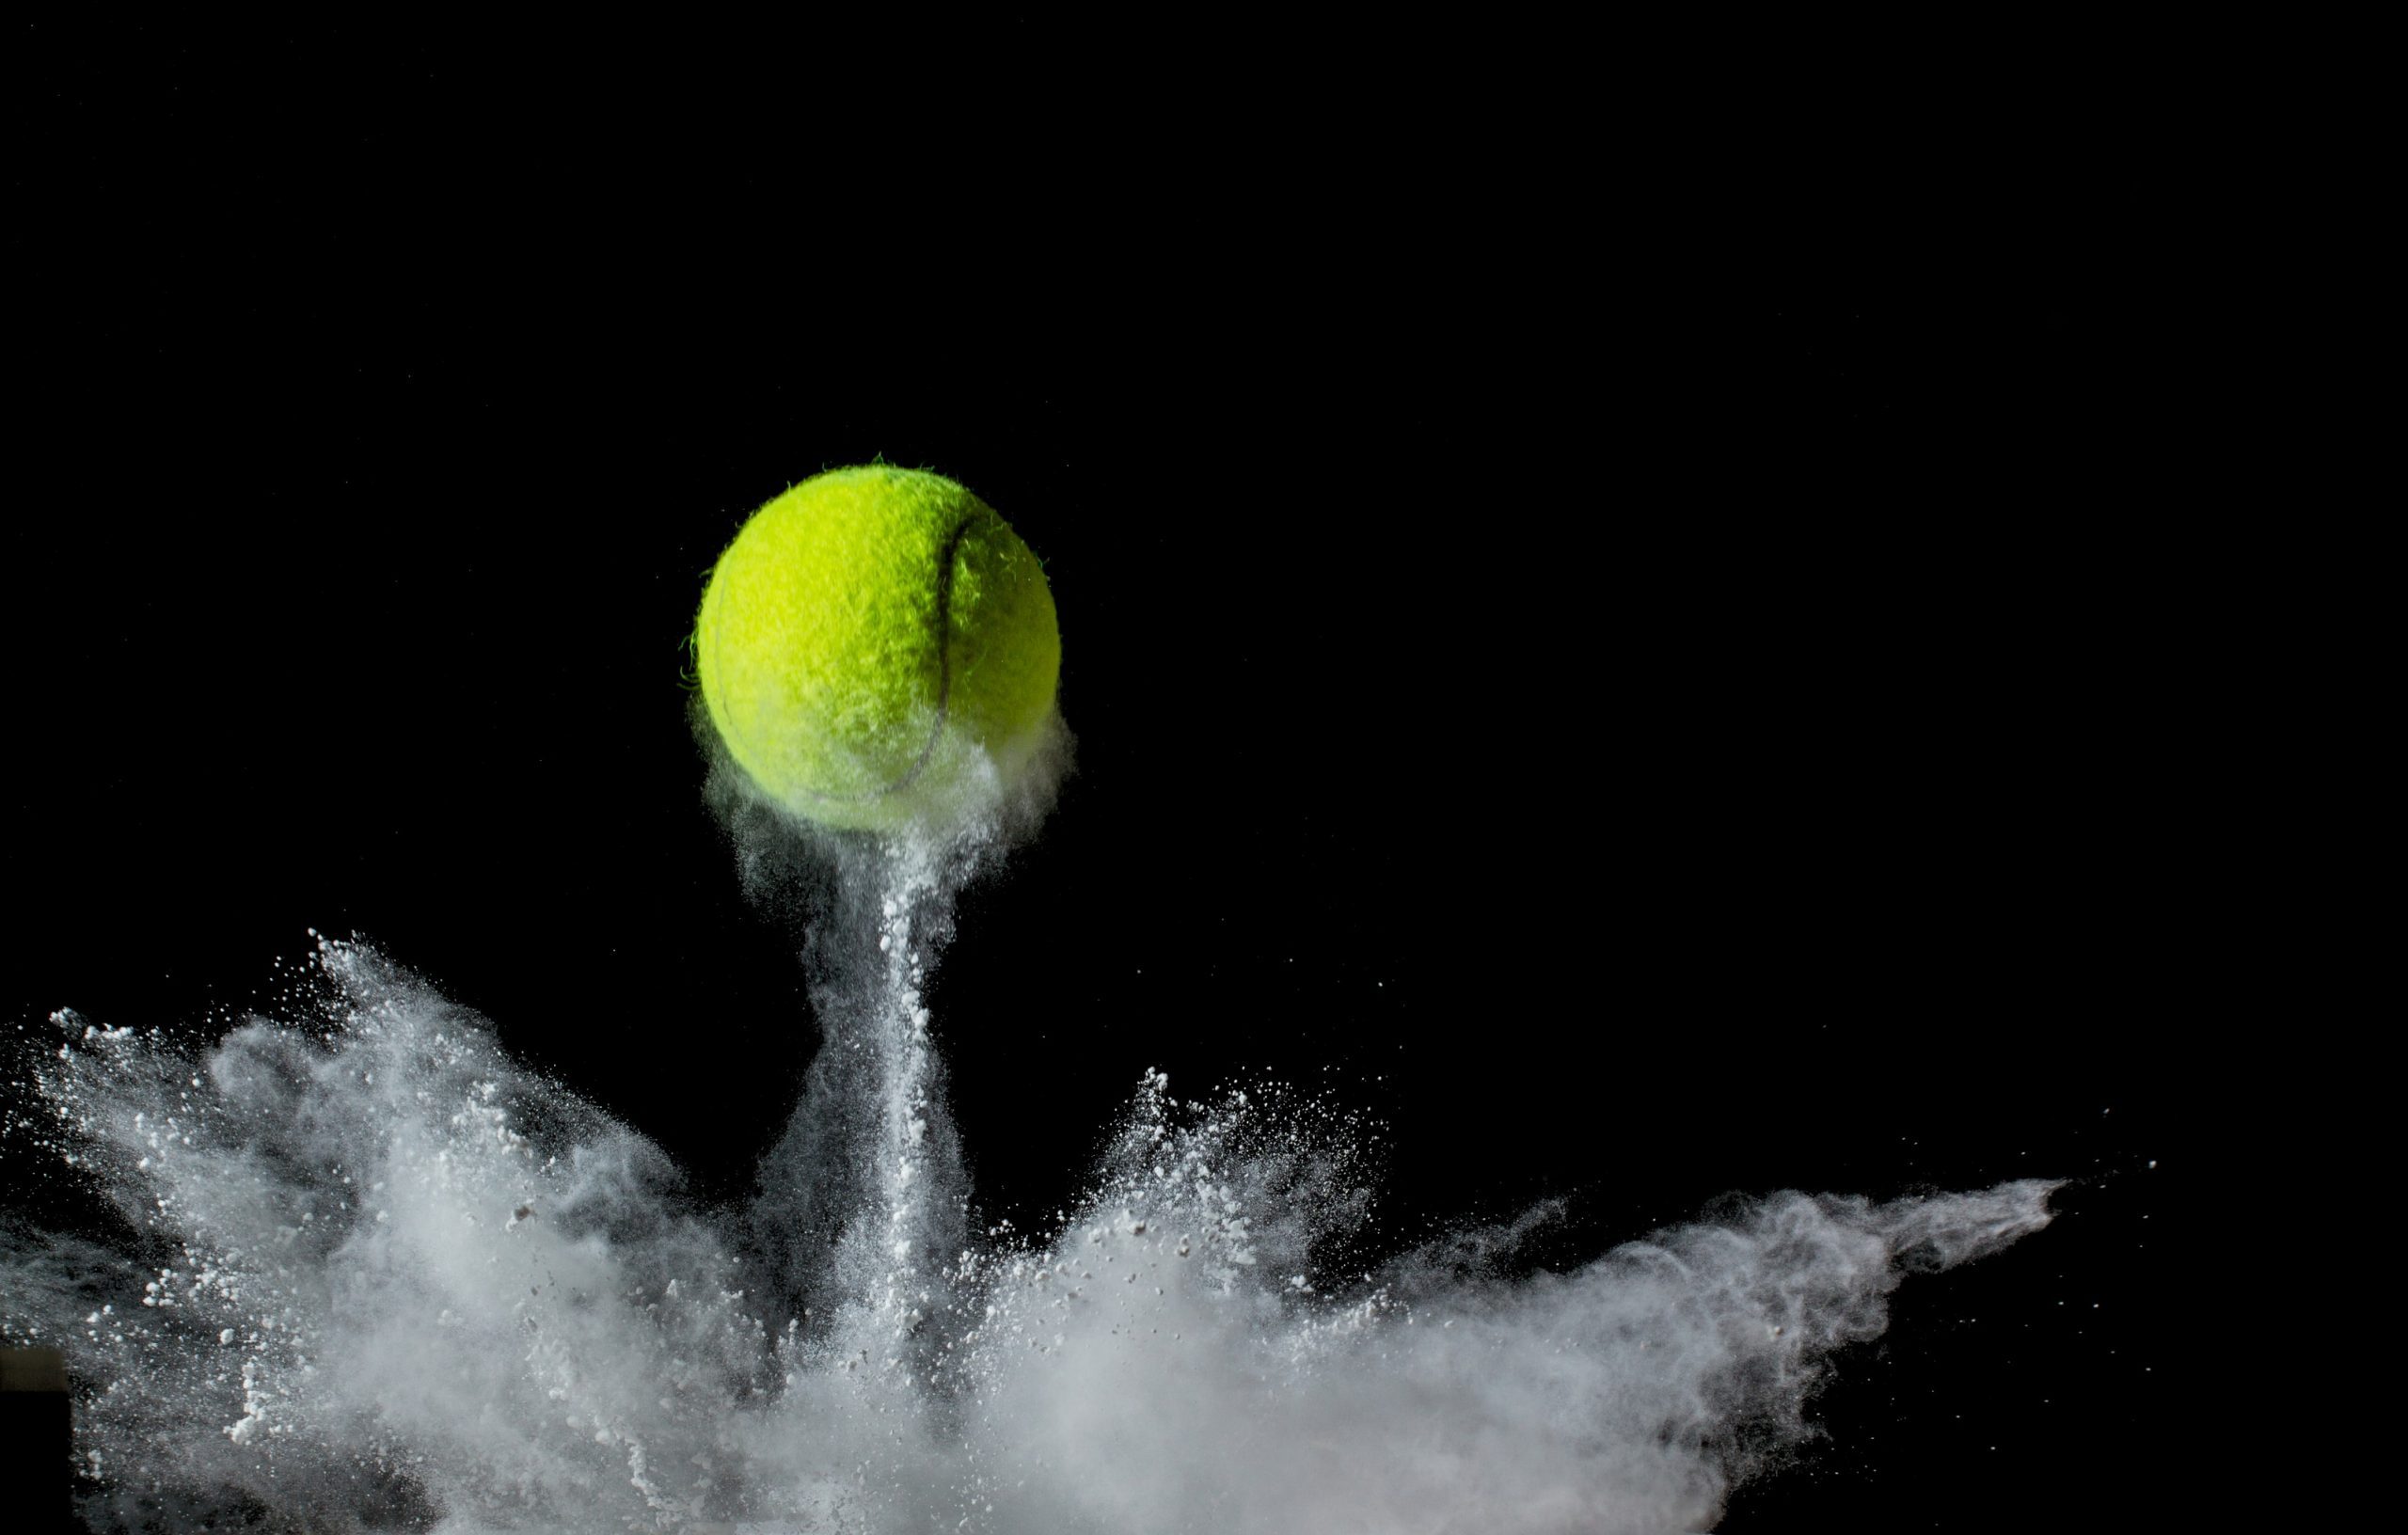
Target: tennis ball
(878, 648)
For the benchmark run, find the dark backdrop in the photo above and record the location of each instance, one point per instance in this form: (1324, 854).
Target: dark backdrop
(1642, 660)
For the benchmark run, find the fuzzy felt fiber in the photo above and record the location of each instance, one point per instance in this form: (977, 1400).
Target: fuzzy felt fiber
(878, 648)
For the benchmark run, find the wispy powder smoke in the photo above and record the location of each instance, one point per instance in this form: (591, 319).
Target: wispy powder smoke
(363, 1271)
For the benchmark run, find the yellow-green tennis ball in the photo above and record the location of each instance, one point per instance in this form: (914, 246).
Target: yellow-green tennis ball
(878, 648)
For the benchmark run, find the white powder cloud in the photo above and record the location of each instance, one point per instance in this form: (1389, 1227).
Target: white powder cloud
(374, 1274)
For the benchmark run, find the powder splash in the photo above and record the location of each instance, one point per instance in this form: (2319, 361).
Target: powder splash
(362, 1270)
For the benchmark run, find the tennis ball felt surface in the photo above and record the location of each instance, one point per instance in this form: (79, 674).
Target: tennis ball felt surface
(878, 648)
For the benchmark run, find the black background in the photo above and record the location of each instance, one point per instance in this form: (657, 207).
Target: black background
(1628, 641)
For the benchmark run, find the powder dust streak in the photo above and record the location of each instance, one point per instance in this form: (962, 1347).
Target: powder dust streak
(365, 1272)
